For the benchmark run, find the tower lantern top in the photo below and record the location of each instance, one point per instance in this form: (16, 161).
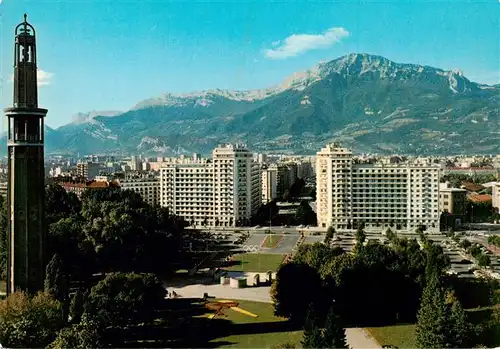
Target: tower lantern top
(24, 28)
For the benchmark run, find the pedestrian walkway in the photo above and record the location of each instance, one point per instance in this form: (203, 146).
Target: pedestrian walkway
(358, 338)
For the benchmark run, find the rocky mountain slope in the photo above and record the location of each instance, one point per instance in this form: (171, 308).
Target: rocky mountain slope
(368, 102)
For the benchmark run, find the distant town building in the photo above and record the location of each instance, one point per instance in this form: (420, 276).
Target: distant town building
(88, 170)
(452, 200)
(376, 196)
(79, 187)
(223, 191)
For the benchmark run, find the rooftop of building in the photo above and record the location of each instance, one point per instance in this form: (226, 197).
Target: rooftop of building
(472, 186)
(477, 198)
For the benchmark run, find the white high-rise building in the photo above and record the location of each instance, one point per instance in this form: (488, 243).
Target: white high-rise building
(269, 184)
(378, 196)
(495, 195)
(223, 191)
(148, 187)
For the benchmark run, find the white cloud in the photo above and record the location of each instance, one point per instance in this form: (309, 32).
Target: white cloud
(43, 78)
(299, 43)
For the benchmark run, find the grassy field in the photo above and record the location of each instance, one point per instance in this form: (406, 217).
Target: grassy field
(402, 336)
(272, 241)
(261, 332)
(256, 262)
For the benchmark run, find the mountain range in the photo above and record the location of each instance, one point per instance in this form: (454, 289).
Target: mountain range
(367, 102)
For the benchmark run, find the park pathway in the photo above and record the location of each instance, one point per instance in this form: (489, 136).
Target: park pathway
(358, 338)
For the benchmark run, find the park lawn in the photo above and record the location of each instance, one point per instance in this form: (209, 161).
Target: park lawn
(402, 336)
(272, 241)
(256, 262)
(269, 336)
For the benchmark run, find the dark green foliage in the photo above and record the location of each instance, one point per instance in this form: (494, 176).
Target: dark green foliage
(483, 260)
(57, 283)
(76, 306)
(441, 321)
(334, 332)
(294, 192)
(494, 240)
(296, 286)
(312, 331)
(305, 214)
(29, 322)
(360, 239)
(265, 213)
(330, 232)
(123, 298)
(315, 254)
(437, 261)
(56, 279)
(60, 204)
(465, 244)
(459, 327)
(431, 320)
(82, 335)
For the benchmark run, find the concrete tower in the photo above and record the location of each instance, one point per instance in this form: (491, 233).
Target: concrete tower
(26, 188)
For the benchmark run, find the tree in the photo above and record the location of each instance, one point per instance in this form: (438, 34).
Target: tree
(459, 328)
(57, 283)
(60, 204)
(441, 321)
(291, 299)
(465, 244)
(316, 255)
(431, 318)
(312, 331)
(330, 232)
(360, 238)
(76, 307)
(29, 322)
(124, 298)
(436, 261)
(305, 214)
(334, 333)
(82, 335)
(483, 260)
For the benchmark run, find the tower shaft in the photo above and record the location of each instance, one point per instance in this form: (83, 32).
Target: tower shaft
(26, 182)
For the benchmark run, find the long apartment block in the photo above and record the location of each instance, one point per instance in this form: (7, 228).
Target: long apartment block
(375, 195)
(222, 191)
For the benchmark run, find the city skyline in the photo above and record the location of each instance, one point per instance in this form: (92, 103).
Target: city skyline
(95, 58)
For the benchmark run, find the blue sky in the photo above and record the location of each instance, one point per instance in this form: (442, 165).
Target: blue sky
(110, 54)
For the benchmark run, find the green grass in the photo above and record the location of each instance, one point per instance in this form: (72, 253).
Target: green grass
(402, 336)
(3, 286)
(256, 262)
(260, 339)
(272, 241)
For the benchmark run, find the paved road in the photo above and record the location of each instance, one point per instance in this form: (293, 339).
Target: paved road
(285, 246)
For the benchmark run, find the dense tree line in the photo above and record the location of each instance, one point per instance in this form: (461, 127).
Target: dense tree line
(377, 284)
(457, 179)
(494, 240)
(104, 253)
